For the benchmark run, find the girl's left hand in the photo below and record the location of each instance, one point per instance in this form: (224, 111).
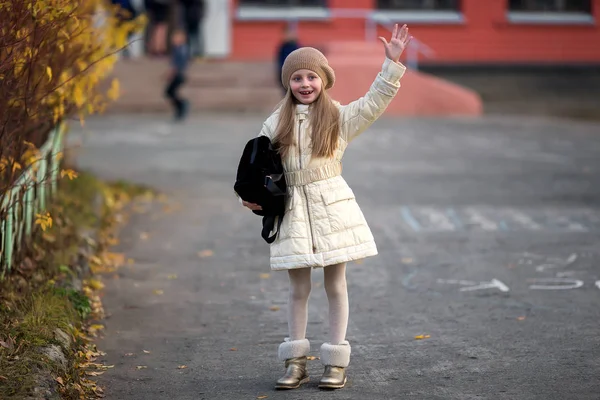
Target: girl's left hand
(399, 41)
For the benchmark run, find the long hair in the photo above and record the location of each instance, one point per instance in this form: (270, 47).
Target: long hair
(324, 120)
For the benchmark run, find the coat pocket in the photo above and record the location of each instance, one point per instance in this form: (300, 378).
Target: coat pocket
(339, 205)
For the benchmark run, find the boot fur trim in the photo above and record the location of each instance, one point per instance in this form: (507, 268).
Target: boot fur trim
(293, 348)
(336, 355)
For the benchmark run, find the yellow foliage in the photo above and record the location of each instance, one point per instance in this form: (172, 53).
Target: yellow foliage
(43, 220)
(68, 173)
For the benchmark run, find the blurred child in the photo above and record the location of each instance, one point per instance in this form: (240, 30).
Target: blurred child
(177, 74)
(289, 44)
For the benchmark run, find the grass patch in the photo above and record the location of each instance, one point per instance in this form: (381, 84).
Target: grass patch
(51, 299)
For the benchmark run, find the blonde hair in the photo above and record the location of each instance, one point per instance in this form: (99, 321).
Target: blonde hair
(324, 120)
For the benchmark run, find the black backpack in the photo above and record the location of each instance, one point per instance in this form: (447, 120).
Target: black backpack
(260, 180)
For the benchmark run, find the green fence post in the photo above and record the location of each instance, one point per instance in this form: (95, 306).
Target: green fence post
(8, 231)
(2, 230)
(29, 206)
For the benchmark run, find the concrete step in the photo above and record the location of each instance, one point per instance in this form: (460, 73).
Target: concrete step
(211, 86)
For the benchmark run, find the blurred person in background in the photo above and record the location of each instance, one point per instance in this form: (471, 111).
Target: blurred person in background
(289, 44)
(192, 14)
(177, 74)
(158, 15)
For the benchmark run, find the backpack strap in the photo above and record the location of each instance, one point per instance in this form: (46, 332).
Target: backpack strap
(268, 225)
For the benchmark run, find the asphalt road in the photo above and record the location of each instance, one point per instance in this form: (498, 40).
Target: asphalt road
(489, 239)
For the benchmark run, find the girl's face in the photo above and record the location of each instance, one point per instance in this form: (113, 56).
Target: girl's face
(305, 85)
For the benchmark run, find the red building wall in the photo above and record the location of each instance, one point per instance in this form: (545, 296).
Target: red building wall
(485, 37)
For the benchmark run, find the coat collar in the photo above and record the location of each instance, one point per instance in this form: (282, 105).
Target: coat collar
(302, 108)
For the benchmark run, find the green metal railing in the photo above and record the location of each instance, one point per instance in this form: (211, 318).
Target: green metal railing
(28, 197)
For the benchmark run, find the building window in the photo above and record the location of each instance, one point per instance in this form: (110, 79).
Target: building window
(282, 10)
(550, 12)
(551, 5)
(283, 3)
(425, 5)
(419, 12)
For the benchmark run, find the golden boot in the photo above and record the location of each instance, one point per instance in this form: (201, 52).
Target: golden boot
(295, 374)
(333, 378)
(335, 358)
(294, 353)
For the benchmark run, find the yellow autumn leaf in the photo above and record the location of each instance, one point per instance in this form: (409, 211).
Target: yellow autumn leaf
(172, 276)
(49, 73)
(262, 397)
(69, 173)
(113, 92)
(43, 220)
(265, 276)
(78, 96)
(94, 373)
(311, 358)
(182, 367)
(159, 292)
(95, 284)
(16, 166)
(420, 337)
(274, 308)
(60, 381)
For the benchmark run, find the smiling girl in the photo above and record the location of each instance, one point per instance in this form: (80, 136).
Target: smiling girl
(323, 225)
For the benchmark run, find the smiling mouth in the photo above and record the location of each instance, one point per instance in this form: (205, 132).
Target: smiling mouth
(305, 92)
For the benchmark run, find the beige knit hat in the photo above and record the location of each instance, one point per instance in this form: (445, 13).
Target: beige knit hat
(307, 58)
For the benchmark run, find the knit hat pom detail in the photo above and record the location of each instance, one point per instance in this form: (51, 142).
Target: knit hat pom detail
(311, 59)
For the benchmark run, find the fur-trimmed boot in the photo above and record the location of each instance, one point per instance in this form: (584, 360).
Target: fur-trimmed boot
(335, 358)
(294, 353)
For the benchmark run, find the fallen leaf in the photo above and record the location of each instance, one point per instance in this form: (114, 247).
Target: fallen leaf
(146, 351)
(311, 358)
(265, 276)
(274, 308)
(182, 367)
(407, 260)
(521, 318)
(419, 337)
(233, 349)
(172, 276)
(94, 373)
(262, 397)
(95, 284)
(128, 354)
(159, 292)
(3, 377)
(4, 344)
(359, 261)
(205, 253)
(141, 367)
(60, 381)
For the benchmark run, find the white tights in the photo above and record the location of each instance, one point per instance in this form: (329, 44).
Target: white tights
(337, 295)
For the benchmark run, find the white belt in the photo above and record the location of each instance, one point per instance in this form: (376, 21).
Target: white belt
(306, 176)
(295, 179)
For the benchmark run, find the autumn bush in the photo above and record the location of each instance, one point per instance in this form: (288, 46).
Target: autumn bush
(54, 55)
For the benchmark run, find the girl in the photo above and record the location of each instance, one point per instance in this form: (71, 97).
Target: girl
(323, 225)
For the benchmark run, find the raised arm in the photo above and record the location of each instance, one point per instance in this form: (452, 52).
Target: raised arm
(360, 114)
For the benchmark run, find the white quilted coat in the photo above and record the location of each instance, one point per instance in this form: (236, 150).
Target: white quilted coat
(323, 224)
